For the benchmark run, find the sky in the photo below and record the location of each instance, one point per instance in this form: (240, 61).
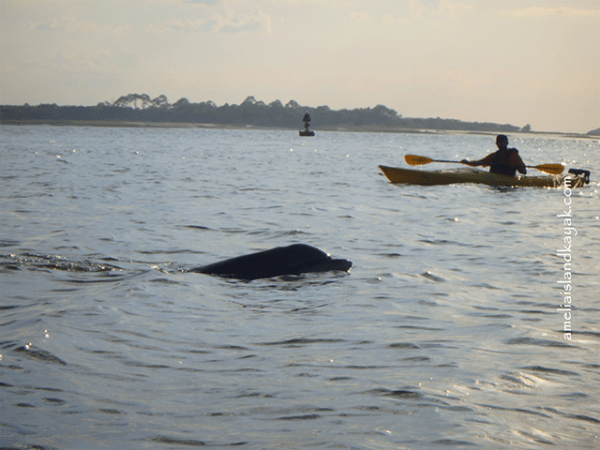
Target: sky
(512, 62)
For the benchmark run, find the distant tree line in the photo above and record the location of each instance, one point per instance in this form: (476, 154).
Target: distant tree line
(251, 112)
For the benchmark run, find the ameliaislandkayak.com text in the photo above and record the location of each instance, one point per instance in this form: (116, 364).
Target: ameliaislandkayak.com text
(566, 253)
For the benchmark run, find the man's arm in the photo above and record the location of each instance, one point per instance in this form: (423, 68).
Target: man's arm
(516, 161)
(487, 161)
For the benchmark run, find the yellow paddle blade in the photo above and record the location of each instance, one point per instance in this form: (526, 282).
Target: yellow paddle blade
(554, 169)
(415, 160)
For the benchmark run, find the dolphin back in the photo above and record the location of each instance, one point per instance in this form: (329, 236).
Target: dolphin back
(291, 260)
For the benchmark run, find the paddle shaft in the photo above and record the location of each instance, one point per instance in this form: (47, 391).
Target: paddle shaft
(415, 160)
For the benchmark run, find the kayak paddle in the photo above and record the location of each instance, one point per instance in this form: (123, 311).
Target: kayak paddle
(414, 160)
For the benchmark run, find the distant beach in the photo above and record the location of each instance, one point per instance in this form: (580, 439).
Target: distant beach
(345, 129)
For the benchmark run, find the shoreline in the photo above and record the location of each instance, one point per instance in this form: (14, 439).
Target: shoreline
(346, 129)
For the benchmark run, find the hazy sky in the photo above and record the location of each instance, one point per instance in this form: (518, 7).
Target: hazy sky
(519, 62)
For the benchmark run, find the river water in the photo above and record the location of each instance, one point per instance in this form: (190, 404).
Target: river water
(445, 333)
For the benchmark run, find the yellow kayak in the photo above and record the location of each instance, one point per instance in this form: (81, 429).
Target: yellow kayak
(468, 175)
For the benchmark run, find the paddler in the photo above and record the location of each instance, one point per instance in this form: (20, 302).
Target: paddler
(504, 161)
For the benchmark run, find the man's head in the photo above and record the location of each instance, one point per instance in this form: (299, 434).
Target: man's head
(502, 141)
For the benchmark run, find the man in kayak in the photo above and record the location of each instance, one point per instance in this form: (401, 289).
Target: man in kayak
(505, 161)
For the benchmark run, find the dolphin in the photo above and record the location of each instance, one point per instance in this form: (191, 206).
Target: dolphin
(291, 260)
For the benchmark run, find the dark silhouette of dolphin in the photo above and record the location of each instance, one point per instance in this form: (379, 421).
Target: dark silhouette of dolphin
(291, 260)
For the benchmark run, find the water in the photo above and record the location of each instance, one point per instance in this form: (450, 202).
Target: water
(445, 334)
